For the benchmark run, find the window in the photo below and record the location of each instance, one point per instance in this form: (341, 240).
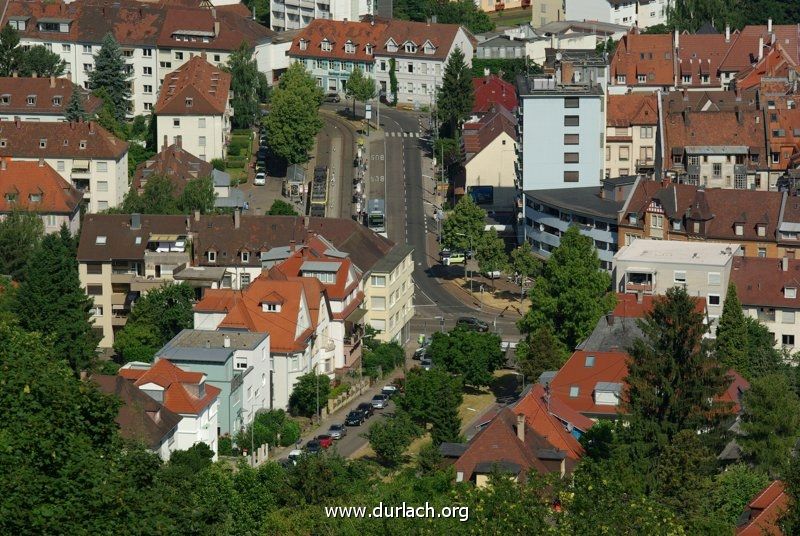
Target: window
(713, 299)
(148, 90)
(148, 106)
(216, 57)
(42, 143)
(349, 48)
(201, 141)
(97, 311)
(148, 71)
(646, 132)
(411, 87)
(147, 52)
(94, 290)
(201, 122)
(326, 45)
(790, 292)
(176, 122)
(608, 157)
(378, 281)
(303, 44)
(57, 101)
(227, 281)
(571, 139)
(762, 230)
(657, 221)
(787, 317)
(641, 78)
(100, 240)
(571, 176)
(368, 50)
(762, 252)
(60, 165)
(102, 186)
(621, 79)
(82, 144)
(166, 64)
(570, 158)
(189, 102)
(679, 277)
(624, 153)
(410, 48)
(50, 220)
(244, 280)
(102, 166)
(572, 121)
(787, 340)
(572, 102)
(87, 67)
(87, 49)
(739, 229)
(717, 170)
(31, 100)
(212, 256)
(102, 205)
(714, 279)
(383, 65)
(589, 362)
(378, 303)
(574, 391)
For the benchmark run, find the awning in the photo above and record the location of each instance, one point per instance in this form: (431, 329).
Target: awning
(356, 315)
(80, 164)
(164, 238)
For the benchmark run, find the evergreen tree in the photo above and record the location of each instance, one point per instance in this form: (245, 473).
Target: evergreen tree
(790, 520)
(572, 293)
(432, 397)
(10, 53)
(20, 233)
(456, 96)
(310, 391)
(75, 110)
(109, 73)
(538, 352)
(672, 381)
(245, 84)
(51, 301)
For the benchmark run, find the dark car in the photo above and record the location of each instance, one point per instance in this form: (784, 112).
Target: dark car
(419, 353)
(313, 446)
(366, 408)
(472, 323)
(325, 441)
(355, 418)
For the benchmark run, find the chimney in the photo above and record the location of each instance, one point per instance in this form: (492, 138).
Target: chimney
(237, 218)
(216, 28)
(91, 127)
(760, 48)
(196, 215)
(785, 264)
(727, 33)
(769, 25)
(521, 427)
(214, 13)
(16, 121)
(639, 297)
(739, 116)
(136, 221)
(553, 43)
(677, 40)
(52, 81)
(41, 162)
(226, 342)
(292, 246)
(486, 72)
(179, 141)
(164, 148)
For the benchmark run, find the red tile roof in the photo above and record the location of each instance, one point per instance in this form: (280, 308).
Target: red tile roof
(609, 367)
(733, 394)
(196, 88)
(25, 180)
(62, 140)
(784, 137)
(628, 306)
(490, 90)
(701, 54)
(476, 136)
(550, 419)
(52, 96)
(632, 109)
(645, 54)
(776, 63)
(185, 393)
(760, 282)
(744, 51)
(764, 511)
(175, 163)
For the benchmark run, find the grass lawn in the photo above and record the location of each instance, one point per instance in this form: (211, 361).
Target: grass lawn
(511, 17)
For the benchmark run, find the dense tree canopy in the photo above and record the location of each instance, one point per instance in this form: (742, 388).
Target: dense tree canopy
(20, 233)
(456, 96)
(309, 393)
(110, 74)
(473, 355)
(246, 84)
(463, 229)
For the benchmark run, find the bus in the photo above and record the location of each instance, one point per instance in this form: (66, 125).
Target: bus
(376, 217)
(319, 192)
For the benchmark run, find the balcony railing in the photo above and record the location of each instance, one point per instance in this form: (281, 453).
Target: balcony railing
(639, 287)
(645, 163)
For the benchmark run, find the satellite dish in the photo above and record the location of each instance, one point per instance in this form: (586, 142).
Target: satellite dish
(558, 56)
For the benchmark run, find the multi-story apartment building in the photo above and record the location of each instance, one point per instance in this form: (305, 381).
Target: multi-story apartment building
(640, 13)
(194, 104)
(156, 38)
(631, 134)
(296, 14)
(330, 50)
(40, 99)
(86, 155)
(184, 393)
(642, 62)
(238, 363)
(593, 210)
(569, 152)
(654, 266)
(545, 11)
(389, 295)
(36, 187)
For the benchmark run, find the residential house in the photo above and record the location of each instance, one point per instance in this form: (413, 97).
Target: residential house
(238, 363)
(36, 187)
(294, 311)
(194, 103)
(783, 139)
(753, 43)
(544, 12)
(183, 393)
(631, 134)
(141, 417)
(551, 418)
(594, 210)
(508, 445)
(330, 50)
(566, 36)
(642, 62)
(576, 119)
(490, 146)
(294, 14)
(703, 269)
(180, 166)
(156, 38)
(500, 47)
(639, 13)
(591, 383)
(777, 66)
(699, 57)
(41, 99)
(669, 211)
(763, 513)
(86, 155)
(767, 290)
(491, 90)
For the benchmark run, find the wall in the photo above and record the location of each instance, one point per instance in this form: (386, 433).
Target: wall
(213, 133)
(546, 11)
(615, 166)
(104, 300)
(785, 324)
(393, 319)
(494, 166)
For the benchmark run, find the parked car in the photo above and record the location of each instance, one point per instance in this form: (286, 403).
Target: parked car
(261, 179)
(426, 363)
(294, 455)
(494, 274)
(389, 390)
(313, 447)
(366, 408)
(472, 323)
(419, 353)
(380, 401)
(454, 258)
(325, 441)
(332, 96)
(337, 431)
(355, 418)
(445, 252)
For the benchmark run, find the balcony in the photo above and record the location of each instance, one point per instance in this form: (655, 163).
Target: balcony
(352, 352)
(306, 4)
(645, 163)
(766, 315)
(636, 282)
(82, 185)
(123, 275)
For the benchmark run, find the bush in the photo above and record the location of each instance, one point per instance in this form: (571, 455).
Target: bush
(225, 446)
(234, 150)
(218, 164)
(338, 390)
(241, 132)
(236, 162)
(265, 429)
(384, 358)
(290, 432)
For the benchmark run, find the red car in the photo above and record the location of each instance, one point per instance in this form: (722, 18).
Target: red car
(325, 441)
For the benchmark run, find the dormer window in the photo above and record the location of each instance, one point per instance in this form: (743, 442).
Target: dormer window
(5, 100)
(11, 197)
(189, 102)
(368, 50)
(31, 100)
(739, 229)
(42, 143)
(35, 198)
(271, 307)
(391, 46)
(245, 256)
(633, 219)
(212, 256)
(303, 44)
(762, 229)
(428, 48)
(790, 292)
(57, 100)
(410, 48)
(349, 48)
(326, 45)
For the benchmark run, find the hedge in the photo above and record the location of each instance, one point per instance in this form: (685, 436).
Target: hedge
(236, 162)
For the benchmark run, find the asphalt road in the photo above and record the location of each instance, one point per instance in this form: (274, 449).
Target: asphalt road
(338, 133)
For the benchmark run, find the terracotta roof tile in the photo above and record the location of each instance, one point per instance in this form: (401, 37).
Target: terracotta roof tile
(550, 420)
(491, 90)
(175, 163)
(26, 180)
(196, 88)
(733, 394)
(51, 96)
(776, 63)
(760, 282)
(585, 374)
(764, 511)
(744, 51)
(628, 306)
(61, 139)
(632, 109)
(784, 137)
(646, 54)
(185, 393)
(701, 55)
(478, 135)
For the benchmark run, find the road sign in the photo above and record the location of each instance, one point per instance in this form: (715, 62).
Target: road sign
(368, 113)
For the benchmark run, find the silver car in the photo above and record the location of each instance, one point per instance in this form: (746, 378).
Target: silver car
(337, 431)
(380, 401)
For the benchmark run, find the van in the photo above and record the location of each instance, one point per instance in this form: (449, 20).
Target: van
(454, 258)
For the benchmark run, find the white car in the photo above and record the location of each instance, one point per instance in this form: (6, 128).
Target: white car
(295, 455)
(261, 179)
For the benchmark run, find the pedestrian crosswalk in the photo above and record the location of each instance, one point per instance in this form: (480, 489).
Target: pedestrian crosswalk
(404, 134)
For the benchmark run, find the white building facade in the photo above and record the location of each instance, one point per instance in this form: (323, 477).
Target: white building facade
(641, 13)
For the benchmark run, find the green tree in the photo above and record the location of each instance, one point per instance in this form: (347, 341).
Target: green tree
(572, 293)
(393, 84)
(733, 489)
(456, 96)
(672, 348)
(167, 309)
(310, 391)
(51, 301)
(429, 459)
(506, 68)
(272, 427)
(491, 254)
(691, 14)
(261, 10)
(245, 84)
(382, 358)
(110, 74)
(731, 341)
(770, 423)
(449, 151)
(540, 351)
(75, 110)
(524, 264)
(158, 197)
(20, 233)
(463, 228)
(391, 437)
(137, 342)
(471, 354)
(465, 13)
(360, 87)
(293, 121)
(432, 397)
(10, 53)
(281, 208)
(41, 62)
(790, 520)
(136, 155)
(198, 194)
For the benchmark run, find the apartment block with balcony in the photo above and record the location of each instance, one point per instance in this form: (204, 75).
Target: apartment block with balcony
(651, 267)
(390, 295)
(631, 134)
(86, 155)
(297, 14)
(640, 13)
